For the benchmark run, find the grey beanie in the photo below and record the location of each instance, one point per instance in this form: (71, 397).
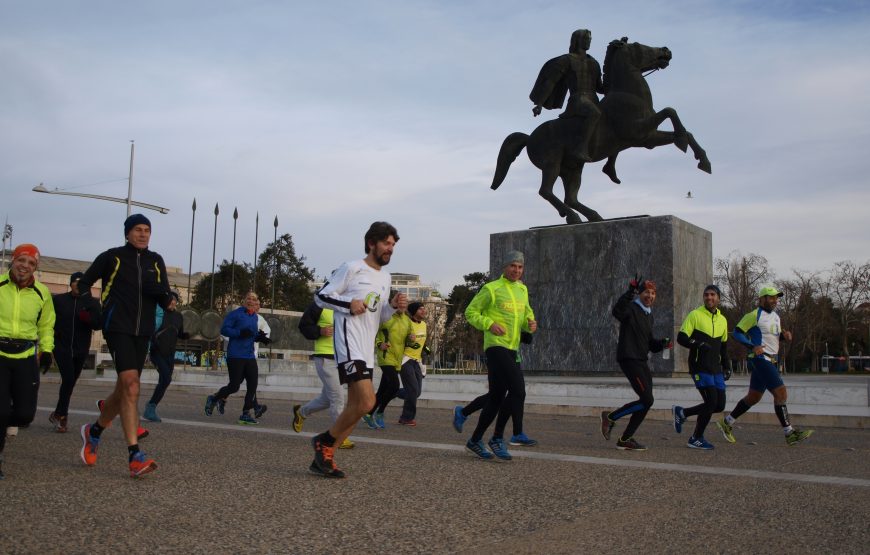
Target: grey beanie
(513, 256)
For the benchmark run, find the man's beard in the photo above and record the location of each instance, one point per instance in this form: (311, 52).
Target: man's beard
(383, 259)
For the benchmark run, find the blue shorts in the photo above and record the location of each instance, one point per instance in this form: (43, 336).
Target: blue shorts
(765, 375)
(703, 379)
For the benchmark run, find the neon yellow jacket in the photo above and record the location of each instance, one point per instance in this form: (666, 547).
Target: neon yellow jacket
(504, 302)
(394, 331)
(26, 314)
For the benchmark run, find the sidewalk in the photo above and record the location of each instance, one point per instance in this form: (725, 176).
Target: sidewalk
(837, 401)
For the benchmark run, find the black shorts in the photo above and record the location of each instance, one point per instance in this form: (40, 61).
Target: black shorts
(128, 351)
(353, 371)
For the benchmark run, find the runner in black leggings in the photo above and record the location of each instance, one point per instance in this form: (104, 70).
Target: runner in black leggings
(634, 312)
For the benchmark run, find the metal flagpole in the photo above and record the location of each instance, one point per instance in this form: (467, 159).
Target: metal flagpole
(213, 251)
(274, 278)
(190, 260)
(233, 267)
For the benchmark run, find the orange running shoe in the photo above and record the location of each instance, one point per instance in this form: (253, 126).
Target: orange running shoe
(89, 446)
(141, 465)
(324, 463)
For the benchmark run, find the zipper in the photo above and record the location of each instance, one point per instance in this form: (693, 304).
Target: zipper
(139, 280)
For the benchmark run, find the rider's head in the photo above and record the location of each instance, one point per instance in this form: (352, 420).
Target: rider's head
(581, 40)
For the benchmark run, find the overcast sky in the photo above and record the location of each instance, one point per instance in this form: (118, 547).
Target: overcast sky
(332, 115)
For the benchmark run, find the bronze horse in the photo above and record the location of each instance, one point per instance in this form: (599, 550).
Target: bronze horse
(627, 120)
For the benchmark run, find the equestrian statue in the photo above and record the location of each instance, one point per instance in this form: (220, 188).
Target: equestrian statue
(590, 130)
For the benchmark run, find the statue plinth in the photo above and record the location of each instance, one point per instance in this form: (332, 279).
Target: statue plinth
(575, 273)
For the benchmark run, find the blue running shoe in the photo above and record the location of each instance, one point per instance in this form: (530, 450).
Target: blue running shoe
(524, 440)
(699, 443)
(499, 449)
(247, 419)
(479, 449)
(458, 418)
(370, 421)
(210, 402)
(379, 420)
(679, 418)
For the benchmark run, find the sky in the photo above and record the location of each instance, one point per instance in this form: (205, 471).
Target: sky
(330, 116)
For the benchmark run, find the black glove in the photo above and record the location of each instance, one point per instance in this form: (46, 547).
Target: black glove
(262, 338)
(45, 361)
(635, 284)
(526, 337)
(726, 370)
(246, 333)
(184, 336)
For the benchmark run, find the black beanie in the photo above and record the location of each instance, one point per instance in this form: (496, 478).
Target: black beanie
(713, 287)
(133, 220)
(75, 277)
(413, 308)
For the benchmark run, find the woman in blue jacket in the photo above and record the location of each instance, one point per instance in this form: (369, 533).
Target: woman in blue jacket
(240, 326)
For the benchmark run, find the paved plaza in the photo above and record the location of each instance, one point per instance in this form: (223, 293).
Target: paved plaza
(225, 488)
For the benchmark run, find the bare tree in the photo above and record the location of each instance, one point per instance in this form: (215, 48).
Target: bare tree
(740, 277)
(848, 288)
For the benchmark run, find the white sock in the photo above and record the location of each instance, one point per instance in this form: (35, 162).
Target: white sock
(729, 420)
(788, 430)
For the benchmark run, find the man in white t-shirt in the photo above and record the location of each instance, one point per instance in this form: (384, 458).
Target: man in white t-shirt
(357, 292)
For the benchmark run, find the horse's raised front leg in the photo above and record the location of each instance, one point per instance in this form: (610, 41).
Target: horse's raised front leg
(661, 138)
(680, 135)
(700, 155)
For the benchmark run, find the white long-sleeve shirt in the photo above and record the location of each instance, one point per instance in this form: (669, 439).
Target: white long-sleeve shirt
(354, 335)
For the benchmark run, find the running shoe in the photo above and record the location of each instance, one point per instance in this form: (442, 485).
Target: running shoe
(11, 431)
(298, 419)
(479, 449)
(412, 423)
(524, 440)
(141, 465)
(247, 419)
(259, 410)
(679, 418)
(150, 413)
(221, 406)
(499, 449)
(347, 444)
(324, 463)
(379, 420)
(727, 431)
(60, 423)
(89, 446)
(796, 436)
(370, 421)
(458, 418)
(210, 402)
(629, 445)
(606, 424)
(699, 443)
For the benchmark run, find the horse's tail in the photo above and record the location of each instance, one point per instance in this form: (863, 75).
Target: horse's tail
(510, 149)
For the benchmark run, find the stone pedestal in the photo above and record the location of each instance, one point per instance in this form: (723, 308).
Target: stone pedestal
(575, 273)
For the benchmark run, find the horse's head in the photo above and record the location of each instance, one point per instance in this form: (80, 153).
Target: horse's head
(634, 56)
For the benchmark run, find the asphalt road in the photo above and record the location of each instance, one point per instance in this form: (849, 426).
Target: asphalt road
(226, 488)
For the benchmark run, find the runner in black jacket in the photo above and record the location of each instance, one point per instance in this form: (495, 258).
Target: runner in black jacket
(77, 317)
(634, 312)
(134, 283)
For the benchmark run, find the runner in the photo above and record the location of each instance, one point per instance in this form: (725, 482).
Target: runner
(704, 332)
(357, 292)
(77, 317)
(134, 283)
(761, 331)
(501, 310)
(412, 371)
(634, 312)
(317, 324)
(241, 327)
(26, 340)
(170, 328)
(390, 347)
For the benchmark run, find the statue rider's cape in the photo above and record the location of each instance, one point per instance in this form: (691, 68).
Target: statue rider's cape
(551, 86)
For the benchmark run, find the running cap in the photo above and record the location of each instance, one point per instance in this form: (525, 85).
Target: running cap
(27, 249)
(513, 256)
(769, 290)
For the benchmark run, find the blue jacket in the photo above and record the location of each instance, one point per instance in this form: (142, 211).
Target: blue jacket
(234, 323)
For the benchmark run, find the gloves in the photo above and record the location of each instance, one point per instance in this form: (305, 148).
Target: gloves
(84, 317)
(45, 361)
(635, 285)
(526, 337)
(262, 338)
(726, 370)
(246, 333)
(184, 336)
